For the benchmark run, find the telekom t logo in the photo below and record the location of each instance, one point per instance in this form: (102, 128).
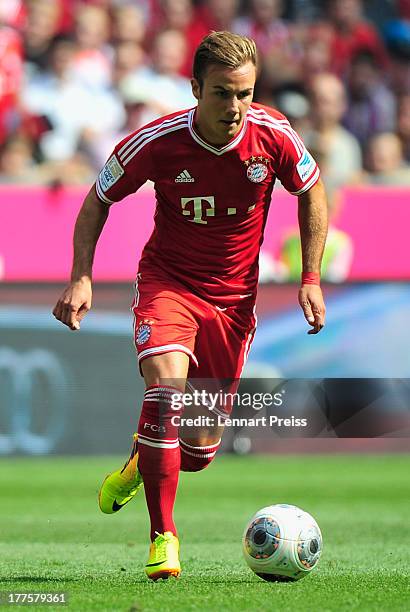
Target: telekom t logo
(201, 206)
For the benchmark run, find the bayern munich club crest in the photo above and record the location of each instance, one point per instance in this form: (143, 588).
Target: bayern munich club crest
(143, 333)
(257, 169)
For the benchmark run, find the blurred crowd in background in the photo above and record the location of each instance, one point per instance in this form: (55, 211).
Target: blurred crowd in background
(76, 76)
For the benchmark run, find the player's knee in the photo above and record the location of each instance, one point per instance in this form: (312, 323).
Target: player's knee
(193, 464)
(196, 458)
(168, 369)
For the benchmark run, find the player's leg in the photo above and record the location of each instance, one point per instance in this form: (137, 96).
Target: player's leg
(165, 330)
(222, 346)
(199, 445)
(164, 335)
(159, 456)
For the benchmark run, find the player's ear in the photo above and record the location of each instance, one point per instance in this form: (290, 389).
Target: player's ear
(196, 89)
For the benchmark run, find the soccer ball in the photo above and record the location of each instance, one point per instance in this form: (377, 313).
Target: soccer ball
(282, 543)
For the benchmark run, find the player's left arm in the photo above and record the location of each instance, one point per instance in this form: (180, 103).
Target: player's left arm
(313, 223)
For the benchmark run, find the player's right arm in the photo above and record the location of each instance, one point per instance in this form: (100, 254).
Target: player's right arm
(129, 167)
(75, 301)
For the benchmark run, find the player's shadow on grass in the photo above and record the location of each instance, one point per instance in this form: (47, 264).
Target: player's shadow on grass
(135, 580)
(38, 579)
(132, 580)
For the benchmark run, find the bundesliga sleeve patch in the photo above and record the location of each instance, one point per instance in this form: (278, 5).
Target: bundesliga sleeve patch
(110, 174)
(305, 165)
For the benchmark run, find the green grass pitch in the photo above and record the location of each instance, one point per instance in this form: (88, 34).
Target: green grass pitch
(53, 538)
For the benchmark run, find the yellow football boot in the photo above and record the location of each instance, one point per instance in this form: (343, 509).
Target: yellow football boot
(121, 486)
(163, 559)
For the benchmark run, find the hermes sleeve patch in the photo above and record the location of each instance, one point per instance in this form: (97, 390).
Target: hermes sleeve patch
(305, 165)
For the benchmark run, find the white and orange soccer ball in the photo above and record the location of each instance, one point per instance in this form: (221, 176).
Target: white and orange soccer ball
(282, 543)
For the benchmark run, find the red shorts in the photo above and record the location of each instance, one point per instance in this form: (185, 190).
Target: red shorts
(168, 317)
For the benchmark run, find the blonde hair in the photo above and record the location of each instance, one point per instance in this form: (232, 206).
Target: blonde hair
(225, 49)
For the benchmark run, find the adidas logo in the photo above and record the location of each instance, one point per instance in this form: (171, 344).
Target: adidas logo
(184, 177)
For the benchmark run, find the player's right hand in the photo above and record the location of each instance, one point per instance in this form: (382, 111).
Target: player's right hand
(74, 303)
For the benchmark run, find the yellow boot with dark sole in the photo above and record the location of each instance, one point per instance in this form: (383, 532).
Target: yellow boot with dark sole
(121, 486)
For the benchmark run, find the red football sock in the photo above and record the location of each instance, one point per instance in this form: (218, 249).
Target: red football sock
(159, 457)
(196, 458)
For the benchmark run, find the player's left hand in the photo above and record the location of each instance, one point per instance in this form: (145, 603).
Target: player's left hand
(313, 306)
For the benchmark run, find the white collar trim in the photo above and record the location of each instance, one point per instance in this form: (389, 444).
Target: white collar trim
(218, 151)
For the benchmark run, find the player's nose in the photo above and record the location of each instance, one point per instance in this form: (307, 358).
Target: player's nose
(233, 108)
(232, 113)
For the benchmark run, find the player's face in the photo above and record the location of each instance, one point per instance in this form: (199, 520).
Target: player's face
(223, 101)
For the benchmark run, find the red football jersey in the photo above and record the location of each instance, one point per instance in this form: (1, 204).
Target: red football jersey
(212, 203)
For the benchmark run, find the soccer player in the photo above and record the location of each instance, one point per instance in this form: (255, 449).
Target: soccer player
(214, 168)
